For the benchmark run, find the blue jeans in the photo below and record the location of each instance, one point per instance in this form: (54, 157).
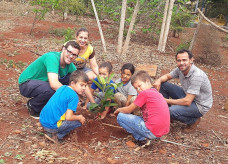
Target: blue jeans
(85, 69)
(135, 125)
(185, 114)
(65, 128)
(39, 92)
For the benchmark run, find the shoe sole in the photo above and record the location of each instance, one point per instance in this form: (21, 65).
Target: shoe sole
(29, 110)
(146, 144)
(34, 117)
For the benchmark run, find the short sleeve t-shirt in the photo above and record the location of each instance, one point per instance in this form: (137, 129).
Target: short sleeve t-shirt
(82, 59)
(49, 62)
(54, 112)
(197, 83)
(94, 86)
(126, 89)
(155, 111)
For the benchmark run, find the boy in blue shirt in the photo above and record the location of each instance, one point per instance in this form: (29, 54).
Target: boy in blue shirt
(58, 115)
(105, 70)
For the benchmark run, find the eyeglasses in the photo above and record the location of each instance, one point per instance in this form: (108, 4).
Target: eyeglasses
(71, 53)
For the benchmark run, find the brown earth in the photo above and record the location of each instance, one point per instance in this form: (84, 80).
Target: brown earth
(21, 137)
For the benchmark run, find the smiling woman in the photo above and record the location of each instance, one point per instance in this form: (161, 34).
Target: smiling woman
(86, 54)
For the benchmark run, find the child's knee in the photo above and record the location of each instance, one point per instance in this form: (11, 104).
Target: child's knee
(119, 116)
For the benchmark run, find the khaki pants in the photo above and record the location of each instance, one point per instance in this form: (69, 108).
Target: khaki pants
(121, 100)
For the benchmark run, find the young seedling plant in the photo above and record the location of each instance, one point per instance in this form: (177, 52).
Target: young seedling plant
(106, 100)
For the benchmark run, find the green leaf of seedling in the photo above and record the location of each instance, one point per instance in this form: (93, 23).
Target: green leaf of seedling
(97, 84)
(110, 77)
(93, 107)
(111, 104)
(108, 93)
(2, 161)
(102, 109)
(119, 84)
(101, 80)
(112, 85)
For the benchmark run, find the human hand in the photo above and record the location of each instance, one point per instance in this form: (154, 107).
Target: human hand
(84, 107)
(157, 84)
(81, 119)
(116, 112)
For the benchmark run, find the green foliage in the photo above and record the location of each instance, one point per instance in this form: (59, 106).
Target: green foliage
(106, 9)
(44, 6)
(12, 64)
(14, 53)
(183, 45)
(2, 161)
(214, 8)
(74, 7)
(19, 156)
(227, 37)
(150, 15)
(40, 10)
(68, 33)
(104, 85)
(180, 19)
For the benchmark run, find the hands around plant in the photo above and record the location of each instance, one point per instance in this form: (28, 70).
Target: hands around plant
(84, 107)
(117, 111)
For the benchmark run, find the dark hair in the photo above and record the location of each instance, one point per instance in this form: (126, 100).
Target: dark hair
(142, 76)
(107, 65)
(128, 66)
(190, 55)
(77, 76)
(72, 43)
(82, 29)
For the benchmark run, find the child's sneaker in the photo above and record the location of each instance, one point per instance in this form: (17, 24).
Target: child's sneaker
(60, 141)
(144, 143)
(53, 137)
(32, 112)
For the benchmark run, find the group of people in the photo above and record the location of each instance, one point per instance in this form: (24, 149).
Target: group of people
(54, 82)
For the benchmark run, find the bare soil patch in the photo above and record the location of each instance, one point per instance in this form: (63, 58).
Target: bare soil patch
(21, 137)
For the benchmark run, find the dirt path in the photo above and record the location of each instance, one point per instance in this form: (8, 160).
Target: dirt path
(21, 137)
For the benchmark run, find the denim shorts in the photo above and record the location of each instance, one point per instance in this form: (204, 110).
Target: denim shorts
(85, 69)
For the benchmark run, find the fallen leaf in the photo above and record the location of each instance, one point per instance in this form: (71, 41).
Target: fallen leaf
(162, 151)
(111, 161)
(43, 144)
(205, 144)
(17, 131)
(130, 144)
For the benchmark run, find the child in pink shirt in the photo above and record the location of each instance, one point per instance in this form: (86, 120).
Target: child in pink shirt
(155, 119)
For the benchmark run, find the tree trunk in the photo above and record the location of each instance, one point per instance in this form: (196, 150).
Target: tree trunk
(65, 15)
(197, 4)
(212, 23)
(163, 25)
(195, 34)
(131, 26)
(99, 26)
(121, 29)
(171, 3)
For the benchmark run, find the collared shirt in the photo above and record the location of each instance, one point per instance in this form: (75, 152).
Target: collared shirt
(197, 83)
